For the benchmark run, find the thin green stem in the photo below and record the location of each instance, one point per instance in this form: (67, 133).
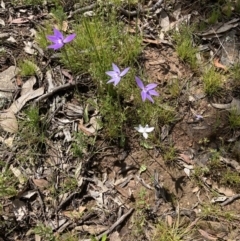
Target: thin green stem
(66, 54)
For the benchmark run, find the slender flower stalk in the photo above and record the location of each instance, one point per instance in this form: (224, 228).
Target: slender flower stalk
(147, 91)
(59, 41)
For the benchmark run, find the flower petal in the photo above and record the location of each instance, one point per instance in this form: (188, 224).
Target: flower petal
(153, 92)
(111, 81)
(150, 98)
(114, 80)
(141, 129)
(55, 46)
(57, 34)
(144, 95)
(69, 38)
(139, 83)
(52, 38)
(124, 71)
(149, 129)
(117, 80)
(150, 86)
(115, 68)
(145, 135)
(111, 74)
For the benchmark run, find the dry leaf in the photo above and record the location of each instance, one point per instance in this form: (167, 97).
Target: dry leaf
(19, 20)
(8, 122)
(18, 174)
(206, 235)
(66, 73)
(151, 41)
(41, 183)
(92, 229)
(84, 129)
(18, 104)
(169, 220)
(164, 22)
(75, 214)
(195, 189)
(218, 64)
(187, 171)
(7, 82)
(185, 158)
(114, 236)
(28, 85)
(64, 26)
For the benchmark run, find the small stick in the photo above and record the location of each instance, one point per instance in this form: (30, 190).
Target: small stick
(229, 200)
(57, 89)
(120, 220)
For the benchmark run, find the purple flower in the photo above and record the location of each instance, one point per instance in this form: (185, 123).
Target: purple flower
(198, 117)
(59, 40)
(115, 74)
(147, 90)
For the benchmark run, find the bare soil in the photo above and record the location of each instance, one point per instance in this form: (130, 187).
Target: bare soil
(110, 184)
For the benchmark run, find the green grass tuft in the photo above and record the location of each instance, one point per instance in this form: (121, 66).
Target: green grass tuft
(212, 82)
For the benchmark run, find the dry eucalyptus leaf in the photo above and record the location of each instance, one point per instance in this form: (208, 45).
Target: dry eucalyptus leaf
(19, 20)
(92, 229)
(18, 104)
(18, 174)
(41, 183)
(8, 122)
(28, 85)
(7, 82)
(207, 235)
(219, 65)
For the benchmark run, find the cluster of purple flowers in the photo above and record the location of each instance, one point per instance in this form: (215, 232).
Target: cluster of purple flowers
(147, 91)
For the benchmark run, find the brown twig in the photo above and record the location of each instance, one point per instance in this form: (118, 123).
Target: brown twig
(82, 10)
(231, 199)
(57, 89)
(119, 221)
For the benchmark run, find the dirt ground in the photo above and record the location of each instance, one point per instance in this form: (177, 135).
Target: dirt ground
(126, 192)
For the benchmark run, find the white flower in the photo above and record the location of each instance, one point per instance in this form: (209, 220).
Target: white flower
(144, 130)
